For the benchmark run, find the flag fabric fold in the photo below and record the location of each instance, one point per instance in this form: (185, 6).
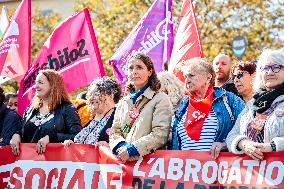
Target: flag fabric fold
(187, 40)
(153, 36)
(72, 50)
(15, 43)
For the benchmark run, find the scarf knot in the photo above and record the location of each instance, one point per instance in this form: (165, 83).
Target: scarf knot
(134, 96)
(197, 111)
(264, 99)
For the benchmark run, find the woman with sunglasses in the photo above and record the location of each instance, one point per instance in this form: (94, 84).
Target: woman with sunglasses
(260, 126)
(243, 74)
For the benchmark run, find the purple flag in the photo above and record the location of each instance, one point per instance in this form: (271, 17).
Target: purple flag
(153, 36)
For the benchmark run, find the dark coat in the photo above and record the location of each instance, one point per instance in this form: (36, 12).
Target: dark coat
(60, 125)
(10, 122)
(230, 87)
(104, 136)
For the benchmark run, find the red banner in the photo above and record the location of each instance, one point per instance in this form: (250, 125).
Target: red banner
(86, 166)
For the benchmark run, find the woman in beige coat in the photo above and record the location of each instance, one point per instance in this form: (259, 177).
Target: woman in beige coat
(142, 119)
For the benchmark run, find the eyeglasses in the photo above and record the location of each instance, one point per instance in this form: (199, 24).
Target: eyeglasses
(275, 68)
(239, 75)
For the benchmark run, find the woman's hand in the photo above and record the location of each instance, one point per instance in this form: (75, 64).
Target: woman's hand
(216, 149)
(122, 153)
(102, 143)
(15, 144)
(252, 149)
(133, 158)
(68, 142)
(41, 144)
(264, 147)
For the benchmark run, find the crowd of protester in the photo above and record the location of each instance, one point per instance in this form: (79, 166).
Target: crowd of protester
(221, 106)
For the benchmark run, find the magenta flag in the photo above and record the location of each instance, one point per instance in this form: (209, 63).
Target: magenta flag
(15, 43)
(153, 35)
(72, 50)
(187, 40)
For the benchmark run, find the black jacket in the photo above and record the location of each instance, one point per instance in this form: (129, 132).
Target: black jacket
(10, 122)
(230, 86)
(104, 135)
(60, 124)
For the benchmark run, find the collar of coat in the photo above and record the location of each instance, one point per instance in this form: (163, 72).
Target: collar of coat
(218, 93)
(148, 93)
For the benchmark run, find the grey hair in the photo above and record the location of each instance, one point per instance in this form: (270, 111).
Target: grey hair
(103, 86)
(275, 56)
(172, 86)
(201, 64)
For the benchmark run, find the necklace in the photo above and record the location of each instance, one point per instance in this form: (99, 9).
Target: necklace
(39, 118)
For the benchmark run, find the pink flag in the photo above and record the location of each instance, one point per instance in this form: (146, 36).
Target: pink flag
(16, 44)
(187, 43)
(72, 50)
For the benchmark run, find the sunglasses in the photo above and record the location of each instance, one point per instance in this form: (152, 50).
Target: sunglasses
(275, 68)
(239, 75)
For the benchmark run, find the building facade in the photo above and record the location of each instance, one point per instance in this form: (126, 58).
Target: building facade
(64, 7)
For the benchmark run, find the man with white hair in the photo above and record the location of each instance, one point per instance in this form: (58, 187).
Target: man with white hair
(222, 65)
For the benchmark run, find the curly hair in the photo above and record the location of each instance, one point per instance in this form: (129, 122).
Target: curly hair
(2, 96)
(58, 92)
(172, 86)
(247, 66)
(105, 85)
(154, 82)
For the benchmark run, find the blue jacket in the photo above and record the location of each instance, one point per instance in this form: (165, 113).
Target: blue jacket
(224, 122)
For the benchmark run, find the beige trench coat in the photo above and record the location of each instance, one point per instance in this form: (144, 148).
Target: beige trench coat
(151, 129)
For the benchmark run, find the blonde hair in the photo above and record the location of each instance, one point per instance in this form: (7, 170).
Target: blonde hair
(172, 86)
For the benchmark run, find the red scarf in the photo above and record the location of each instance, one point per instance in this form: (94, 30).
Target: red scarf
(197, 111)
